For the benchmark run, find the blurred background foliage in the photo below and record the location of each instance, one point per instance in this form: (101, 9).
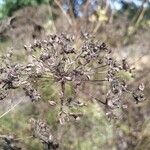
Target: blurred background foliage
(122, 24)
(9, 6)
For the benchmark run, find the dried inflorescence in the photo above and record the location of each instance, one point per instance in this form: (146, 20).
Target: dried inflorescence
(59, 57)
(138, 94)
(42, 131)
(62, 60)
(31, 93)
(9, 142)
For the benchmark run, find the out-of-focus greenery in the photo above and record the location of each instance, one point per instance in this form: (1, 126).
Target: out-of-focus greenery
(9, 6)
(135, 11)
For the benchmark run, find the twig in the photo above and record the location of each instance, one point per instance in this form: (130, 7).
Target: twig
(52, 19)
(62, 94)
(67, 17)
(11, 109)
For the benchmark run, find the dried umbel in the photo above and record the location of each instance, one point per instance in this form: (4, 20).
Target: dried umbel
(138, 94)
(61, 58)
(9, 142)
(42, 131)
(31, 93)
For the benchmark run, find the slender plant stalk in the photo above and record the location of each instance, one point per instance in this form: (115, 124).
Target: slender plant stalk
(12, 108)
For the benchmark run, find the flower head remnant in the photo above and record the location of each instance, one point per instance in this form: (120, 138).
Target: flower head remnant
(62, 59)
(9, 142)
(42, 131)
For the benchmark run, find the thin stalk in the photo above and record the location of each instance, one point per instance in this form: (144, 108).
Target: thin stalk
(12, 108)
(62, 95)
